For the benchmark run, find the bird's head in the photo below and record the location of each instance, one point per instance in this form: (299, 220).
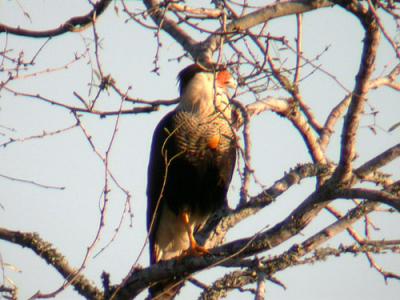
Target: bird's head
(225, 80)
(196, 75)
(203, 90)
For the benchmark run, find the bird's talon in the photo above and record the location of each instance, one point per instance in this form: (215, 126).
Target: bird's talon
(196, 250)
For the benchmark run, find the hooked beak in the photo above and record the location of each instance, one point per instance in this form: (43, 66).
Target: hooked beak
(231, 83)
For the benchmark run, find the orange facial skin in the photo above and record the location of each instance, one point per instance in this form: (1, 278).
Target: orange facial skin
(223, 78)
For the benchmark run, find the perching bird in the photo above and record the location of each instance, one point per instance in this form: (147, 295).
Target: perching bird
(192, 159)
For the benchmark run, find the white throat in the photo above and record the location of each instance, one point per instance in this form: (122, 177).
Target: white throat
(203, 97)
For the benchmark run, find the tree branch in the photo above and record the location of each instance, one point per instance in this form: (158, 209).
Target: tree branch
(289, 110)
(73, 24)
(379, 161)
(216, 229)
(171, 27)
(101, 113)
(359, 97)
(211, 44)
(53, 257)
(371, 195)
(287, 259)
(203, 51)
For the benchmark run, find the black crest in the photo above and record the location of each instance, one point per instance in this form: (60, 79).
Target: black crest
(187, 74)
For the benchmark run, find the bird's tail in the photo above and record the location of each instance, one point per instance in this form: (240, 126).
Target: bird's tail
(165, 290)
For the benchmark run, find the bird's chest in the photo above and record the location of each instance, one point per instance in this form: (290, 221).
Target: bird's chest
(200, 139)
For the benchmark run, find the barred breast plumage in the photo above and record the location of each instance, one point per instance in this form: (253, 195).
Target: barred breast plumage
(193, 135)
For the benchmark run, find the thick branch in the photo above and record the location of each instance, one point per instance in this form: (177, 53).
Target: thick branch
(217, 228)
(359, 97)
(54, 258)
(379, 161)
(269, 12)
(287, 259)
(269, 239)
(371, 195)
(203, 51)
(73, 24)
(289, 110)
(281, 232)
(170, 26)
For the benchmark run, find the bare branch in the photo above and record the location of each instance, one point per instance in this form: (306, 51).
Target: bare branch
(190, 11)
(45, 186)
(287, 259)
(289, 110)
(359, 97)
(385, 33)
(135, 110)
(37, 136)
(371, 195)
(53, 257)
(72, 25)
(269, 12)
(216, 229)
(331, 121)
(389, 80)
(379, 161)
(156, 12)
(299, 43)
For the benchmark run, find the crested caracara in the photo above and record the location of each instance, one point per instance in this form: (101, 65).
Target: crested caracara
(192, 159)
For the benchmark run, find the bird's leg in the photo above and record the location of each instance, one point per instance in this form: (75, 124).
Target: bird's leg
(194, 248)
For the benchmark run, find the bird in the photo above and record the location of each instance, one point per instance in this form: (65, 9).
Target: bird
(192, 160)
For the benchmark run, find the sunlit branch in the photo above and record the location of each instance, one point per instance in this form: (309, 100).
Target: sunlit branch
(53, 257)
(299, 51)
(379, 161)
(383, 29)
(362, 241)
(182, 37)
(289, 110)
(371, 195)
(195, 12)
(287, 259)
(331, 121)
(389, 80)
(252, 19)
(359, 97)
(216, 229)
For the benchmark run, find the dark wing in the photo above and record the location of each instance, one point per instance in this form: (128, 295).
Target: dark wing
(155, 179)
(199, 186)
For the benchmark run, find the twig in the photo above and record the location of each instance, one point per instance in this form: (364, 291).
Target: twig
(384, 31)
(45, 186)
(298, 48)
(38, 136)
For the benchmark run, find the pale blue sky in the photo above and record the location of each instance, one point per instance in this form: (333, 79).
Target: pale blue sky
(69, 218)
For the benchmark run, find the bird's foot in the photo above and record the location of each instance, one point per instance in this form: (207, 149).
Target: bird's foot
(195, 250)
